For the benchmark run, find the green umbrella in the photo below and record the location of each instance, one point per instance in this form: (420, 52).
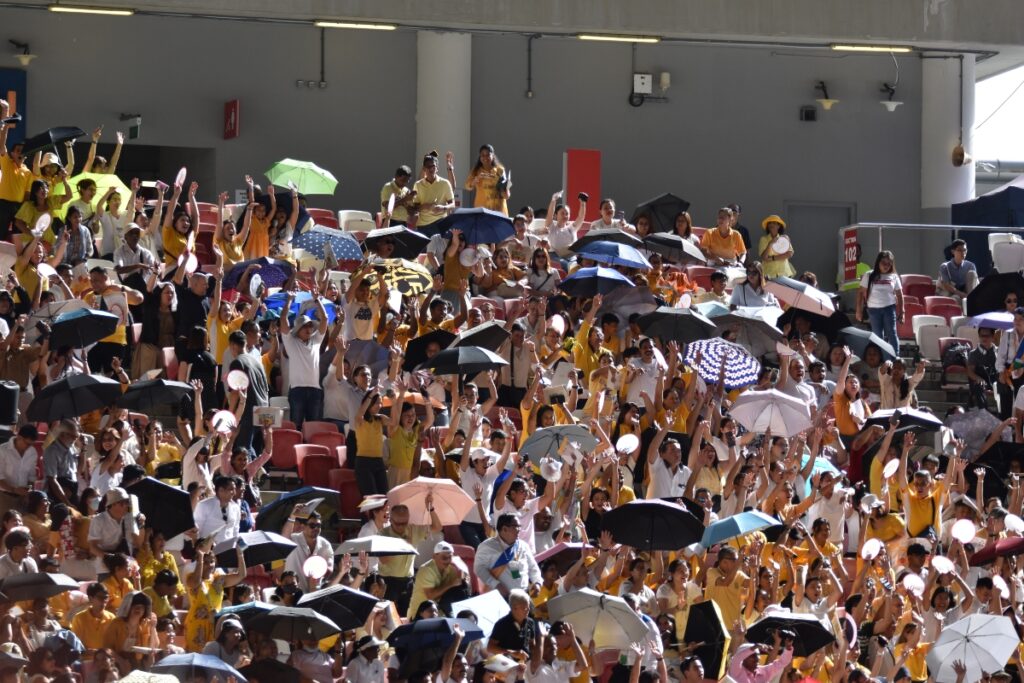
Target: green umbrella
(104, 181)
(307, 177)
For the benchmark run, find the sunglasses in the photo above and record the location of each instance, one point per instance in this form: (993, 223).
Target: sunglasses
(315, 526)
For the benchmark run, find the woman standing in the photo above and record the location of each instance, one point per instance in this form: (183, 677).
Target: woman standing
(490, 182)
(405, 431)
(775, 258)
(206, 595)
(881, 293)
(368, 422)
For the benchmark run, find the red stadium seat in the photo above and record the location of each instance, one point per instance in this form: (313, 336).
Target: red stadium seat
(905, 330)
(701, 275)
(343, 480)
(283, 456)
(305, 450)
(314, 469)
(918, 285)
(468, 554)
(945, 343)
(311, 427)
(169, 359)
(330, 439)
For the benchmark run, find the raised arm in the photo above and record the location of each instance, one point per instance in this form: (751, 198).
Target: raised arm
(91, 157)
(112, 164)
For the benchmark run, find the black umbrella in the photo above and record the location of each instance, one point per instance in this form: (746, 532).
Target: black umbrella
(187, 666)
(261, 547)
(676, 324)
(247, 610)
(811, 634)
(859, 340)
(661, 211)
(1001, 453)
(704, 624)
(408, 243)
(416, 350)
(490, 335)
(147, 395)
(421, 645)
(274, 514)
(168, 509)
(606, 235)
(897, 440)
(346, 607)
(463, 360)
(907, 417)
(18, 587)
(51, 138)
(294, 623)
(271, 670)
(653, 525)
(73, 396)
(994, 486)
(991, 292)
(82, 327)
(674, 248)
(829, 326)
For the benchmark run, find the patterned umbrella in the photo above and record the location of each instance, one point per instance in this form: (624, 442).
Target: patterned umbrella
(273, 272)
(741, 369)
(408, 277)
(343, 244)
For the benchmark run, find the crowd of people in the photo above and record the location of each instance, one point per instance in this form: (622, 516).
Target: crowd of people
(838, 531)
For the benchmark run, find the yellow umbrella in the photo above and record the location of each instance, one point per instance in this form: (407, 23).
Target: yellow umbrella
(407, 277)
(104, 181)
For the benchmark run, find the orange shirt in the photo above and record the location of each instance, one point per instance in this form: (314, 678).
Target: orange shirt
(728, 246)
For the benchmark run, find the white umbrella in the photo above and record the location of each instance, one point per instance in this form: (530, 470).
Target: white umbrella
(801, 295)
(376, 546)
(759, 411)
(605, 619)
(755, 328)
(983, 642)
(488, 608)
(451, 503)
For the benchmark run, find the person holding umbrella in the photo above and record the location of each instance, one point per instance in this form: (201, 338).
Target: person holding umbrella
(746, 667)
(308, 543)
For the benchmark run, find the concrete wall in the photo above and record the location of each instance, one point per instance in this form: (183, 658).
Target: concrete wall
(730, 131)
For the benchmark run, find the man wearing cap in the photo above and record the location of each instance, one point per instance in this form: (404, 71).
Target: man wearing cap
(114, 299)
(219, 515)
(831, 504)
(308, 542)
(302, 346)
(362, 311)
(18, 458)
(115, 530)
(478, 475)
(504, 562)
(745, 666)
(61, 462)
(440, 580)
(397, 571)
(366, 666)
(132, 261)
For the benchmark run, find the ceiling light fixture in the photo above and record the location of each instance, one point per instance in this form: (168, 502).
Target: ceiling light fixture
(355, 25)
(79, 9)
(619, 39)
(872, 48)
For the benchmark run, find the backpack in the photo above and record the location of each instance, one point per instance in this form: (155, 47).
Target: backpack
(955, 354)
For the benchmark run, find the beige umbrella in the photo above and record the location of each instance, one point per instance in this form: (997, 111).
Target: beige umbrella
(451, 503)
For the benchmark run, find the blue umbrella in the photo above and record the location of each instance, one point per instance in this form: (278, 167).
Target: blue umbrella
(273, 272)
(995, 320)
(275, 302)
(820, 465)
(741, 369)
(435, 634)
(589, 282)
(343, 244)
(186, 666)
(737, 525)
(615, 254)
(478, 226)
(80, 328)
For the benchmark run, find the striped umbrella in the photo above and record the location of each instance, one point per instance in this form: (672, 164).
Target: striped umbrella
(741, 369)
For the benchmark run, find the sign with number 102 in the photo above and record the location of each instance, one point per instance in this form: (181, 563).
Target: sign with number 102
(850, 254)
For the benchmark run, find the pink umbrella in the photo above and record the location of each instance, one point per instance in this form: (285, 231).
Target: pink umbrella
(451, 503)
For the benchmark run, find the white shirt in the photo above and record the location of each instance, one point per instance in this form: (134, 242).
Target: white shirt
(470, 480)
(523, 563)
(558, 671)
(301, 553)
(303, 359)
(359, 670)
(834, 510)
(209, 515)
(561, 237)
(9, 567)
(361, 319)
(108, 532)
(112, 231)
(883, 290)
(316, 666)
(525, 515)
(801, 390)
(16, 469)
(646, 382)
(126, 256)
(664, 482)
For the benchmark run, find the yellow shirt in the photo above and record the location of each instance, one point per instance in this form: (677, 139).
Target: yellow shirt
(586, 359)
(15, 181)
(233, 251)
(403, 448)
(120, 335)
(437, 192)
(569, 655)
(118, 591)
(923, 511)
(677, 420)
(30, 214)
(448, 325)
(220, 331)
(91, 630)
(29, 279)
(454, 273)
(161, 605)
(400, 213)
(915, 661)
(728, 246)
(844, 417)
(174, 244)
(370, 439)
(729, 598)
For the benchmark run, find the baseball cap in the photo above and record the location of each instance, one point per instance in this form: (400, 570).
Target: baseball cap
(443, 547)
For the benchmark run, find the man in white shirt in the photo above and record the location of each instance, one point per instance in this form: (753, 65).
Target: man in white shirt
(791, 381)
(115, 530)
(18, 458)
(361, 310)
(302, 346)
(308, 542)
(668, 474)
(219, 516)
(513, 498)
(16, 559)
(131, 260)
(504, 562)
(366, 666)
(478, 477)
(643, 373)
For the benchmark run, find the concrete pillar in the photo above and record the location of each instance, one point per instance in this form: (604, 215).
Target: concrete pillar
(943, 184)
(444, 99)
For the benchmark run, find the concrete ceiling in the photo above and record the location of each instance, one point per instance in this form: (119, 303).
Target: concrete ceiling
(983, 26)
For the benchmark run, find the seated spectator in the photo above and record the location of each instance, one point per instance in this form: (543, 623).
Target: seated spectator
(957, 276)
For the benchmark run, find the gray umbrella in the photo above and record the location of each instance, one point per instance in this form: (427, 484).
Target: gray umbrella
(974, 427)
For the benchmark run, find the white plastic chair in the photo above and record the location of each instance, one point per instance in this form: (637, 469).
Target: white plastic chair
(997, 238)
(359, 220)
(969, 333)
(1009, 257)
(928, 339)
(955, 322)
(281, 402)
(923, 319)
